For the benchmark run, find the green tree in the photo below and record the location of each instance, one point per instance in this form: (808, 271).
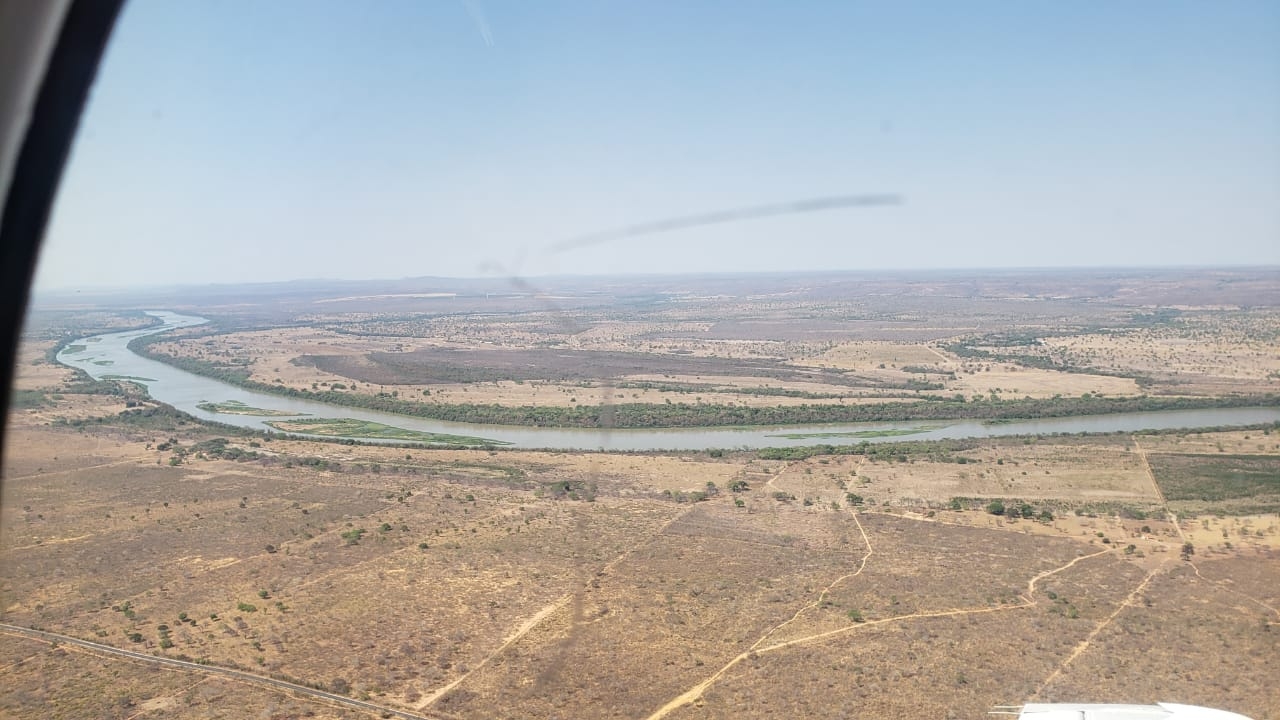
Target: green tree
(995, 507)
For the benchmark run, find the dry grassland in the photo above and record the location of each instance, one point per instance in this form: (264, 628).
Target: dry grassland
(1017, 382)
(1204, 638)
(1096, 468)
(34, 371)
(479, 589)
(1204, 353)
(923, 664)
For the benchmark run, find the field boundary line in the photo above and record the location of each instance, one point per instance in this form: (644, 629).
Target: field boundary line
(1151, 475)
(938, 352)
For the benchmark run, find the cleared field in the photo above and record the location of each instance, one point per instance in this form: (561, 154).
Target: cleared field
(1234, 442)
(870, 356)
(1099, 470)
(32, 368)
(1017, 382)
(1206, 483)
(445, 365)
(1210, 352)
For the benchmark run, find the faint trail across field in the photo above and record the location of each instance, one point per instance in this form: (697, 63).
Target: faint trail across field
(1084, 644)
(114, 463)
(1228, 588)
(183, 691)
(536, 619)
(692, 694)
(937, 352)
(823, 595)
(240, 675)
(520, 632)
(1031, 584)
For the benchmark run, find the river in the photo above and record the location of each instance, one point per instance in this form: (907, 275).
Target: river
(108, 355)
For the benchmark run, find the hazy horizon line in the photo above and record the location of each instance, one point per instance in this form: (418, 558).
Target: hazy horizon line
(59, 290)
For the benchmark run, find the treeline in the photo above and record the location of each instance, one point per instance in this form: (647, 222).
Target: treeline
(638, 415)
(903, 451)
(945, 450)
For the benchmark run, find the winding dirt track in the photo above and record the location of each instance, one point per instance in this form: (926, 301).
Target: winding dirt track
(695, 692)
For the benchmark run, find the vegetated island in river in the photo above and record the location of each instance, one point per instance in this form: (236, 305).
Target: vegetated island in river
(675, 415)
(235, 407)
(352, 428)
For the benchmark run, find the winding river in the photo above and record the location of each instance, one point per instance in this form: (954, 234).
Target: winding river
(108, 356)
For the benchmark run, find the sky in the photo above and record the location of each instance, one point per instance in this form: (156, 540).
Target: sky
(242, 141)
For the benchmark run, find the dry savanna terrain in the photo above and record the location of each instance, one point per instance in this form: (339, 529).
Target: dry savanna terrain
(894, 580)
(479, 584)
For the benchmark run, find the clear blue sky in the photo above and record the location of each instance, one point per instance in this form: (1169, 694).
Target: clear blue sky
(246, 141)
